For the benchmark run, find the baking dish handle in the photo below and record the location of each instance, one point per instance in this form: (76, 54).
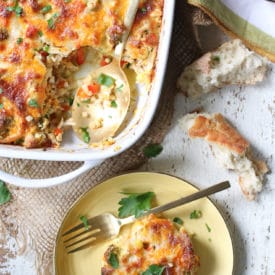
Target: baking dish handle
(48, 182)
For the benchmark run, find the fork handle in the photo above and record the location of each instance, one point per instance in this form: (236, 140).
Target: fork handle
(200, 194)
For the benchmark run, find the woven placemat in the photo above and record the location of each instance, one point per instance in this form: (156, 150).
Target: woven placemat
(34, 215)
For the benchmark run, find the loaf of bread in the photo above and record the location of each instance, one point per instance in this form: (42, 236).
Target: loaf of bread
(229, 147)
(232, 63)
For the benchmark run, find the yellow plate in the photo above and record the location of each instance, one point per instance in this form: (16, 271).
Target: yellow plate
(214, 248)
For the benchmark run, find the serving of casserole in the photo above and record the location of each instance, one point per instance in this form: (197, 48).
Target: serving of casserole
(46, 50)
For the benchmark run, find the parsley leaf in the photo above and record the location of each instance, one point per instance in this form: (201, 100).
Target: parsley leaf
(135, 204)
(16, 9)
(33, 103)
(19, 40)
(195, 214)
(5, 195)
(52, 21)
(105, 80)
(1, 90)
(178, 220)
(85, 135)
(152, 150)
(46, 9)
(85, 222)
(208, 228)
(113, 260)
(113, 104)
(119, 89)
(154, 270)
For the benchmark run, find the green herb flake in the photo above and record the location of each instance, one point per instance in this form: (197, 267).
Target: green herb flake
(33, 103)
(1, 106)
(216, 58)
(105, 80)
(40, 33)
(196, 214)
(85, 135)
(1, 90)
(67, 1)
(5, 195)
(16, 9)
(178, 220)
(85, 222)
(46, 9)
(119, 89)
(210, 240)
(52, 21)
(154, 270)
(152, 150)
(86, 100)
(113, 260)
(135, 204)
(71, 101)
(19, 40)
(113, 104)
(143, 10)
(207, 227)
(46, 48)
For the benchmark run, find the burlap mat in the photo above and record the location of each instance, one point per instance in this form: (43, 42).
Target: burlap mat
(34, 215)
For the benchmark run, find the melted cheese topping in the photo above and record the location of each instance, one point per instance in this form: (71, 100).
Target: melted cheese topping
(152, 240)
(41, 44)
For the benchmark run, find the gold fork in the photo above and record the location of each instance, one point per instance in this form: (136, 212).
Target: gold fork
(105, 226)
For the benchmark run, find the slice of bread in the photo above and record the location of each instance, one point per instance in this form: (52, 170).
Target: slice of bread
(232, 63)
(230, 149)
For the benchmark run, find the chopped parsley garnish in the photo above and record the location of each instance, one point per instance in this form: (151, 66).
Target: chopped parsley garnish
(46, 48)
(154, 270)
(46, 9)
(207, 227)
(33, 103)
(86, 100)
(71, 101)
(40, 33)
(1, 90)
(195, 214)
(52, 21)
(216, 58)
(85, 135)
(105, 80)
(178, 220)
(119, 89)
(113, 104)
(67, 1)
(1, 106)
(152, 150)
(113, 260)
(19, 40)
(143, 10)
(16, 9)
(85, 222)
(135, 204)
(5, 195)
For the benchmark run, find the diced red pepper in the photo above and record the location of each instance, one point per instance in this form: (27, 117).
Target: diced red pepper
(60, 84)
(66, 107)
(31, 31)
(80, 56)
(104, 61)
(123, 63)
(152, 39)
(94, 88)
(57, 131)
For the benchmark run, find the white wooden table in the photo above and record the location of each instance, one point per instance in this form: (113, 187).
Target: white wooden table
(252, 111)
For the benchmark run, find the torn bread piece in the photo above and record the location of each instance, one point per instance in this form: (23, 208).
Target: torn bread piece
(230, 148)
(232, 63)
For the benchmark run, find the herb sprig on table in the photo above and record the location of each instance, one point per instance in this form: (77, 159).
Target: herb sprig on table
(5, 195)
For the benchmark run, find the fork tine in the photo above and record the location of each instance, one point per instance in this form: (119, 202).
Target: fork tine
(86, 245)
(91, 221)
(91, 230)
(81, 240)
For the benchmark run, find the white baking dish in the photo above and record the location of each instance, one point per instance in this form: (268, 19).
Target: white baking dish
(73, 150)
